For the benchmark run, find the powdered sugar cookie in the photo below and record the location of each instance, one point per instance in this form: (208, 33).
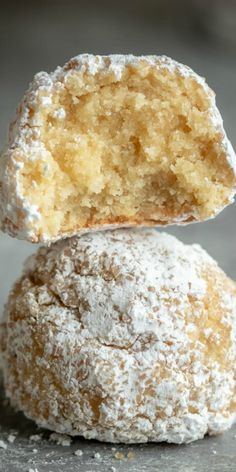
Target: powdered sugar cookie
(124, 336)
(114, 141)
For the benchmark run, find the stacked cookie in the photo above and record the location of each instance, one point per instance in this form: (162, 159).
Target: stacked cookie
(120, 334)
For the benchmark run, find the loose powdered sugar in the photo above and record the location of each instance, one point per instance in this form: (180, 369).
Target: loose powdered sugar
(113, 336)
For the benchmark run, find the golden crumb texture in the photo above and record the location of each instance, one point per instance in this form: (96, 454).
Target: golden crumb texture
(123, 336)
(110, 141)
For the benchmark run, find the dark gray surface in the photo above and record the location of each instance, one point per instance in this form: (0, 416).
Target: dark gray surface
(213, 454)
(37, 35)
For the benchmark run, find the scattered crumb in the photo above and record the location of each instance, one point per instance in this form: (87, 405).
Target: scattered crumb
(32, 470)
(130, 455)
(214, 452)
(3, 445)
(113, 448)
(113, 469)
(78, 452)
(66, 442)
(11, 438)
(119, 455)
(35, 437)
(97, 455)
(35, 450)
(60, 439)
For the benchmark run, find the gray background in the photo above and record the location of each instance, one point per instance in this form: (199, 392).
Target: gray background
(39, 35)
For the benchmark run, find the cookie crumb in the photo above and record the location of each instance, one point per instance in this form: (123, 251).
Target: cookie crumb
(130, 455)
(11, 438)
(78, 452)
(3, 445)
(97, 455)
(119, 455)
(60, 439)
(35, 437)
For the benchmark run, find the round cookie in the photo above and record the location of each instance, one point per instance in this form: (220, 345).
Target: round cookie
(114, 140)
(123, 336)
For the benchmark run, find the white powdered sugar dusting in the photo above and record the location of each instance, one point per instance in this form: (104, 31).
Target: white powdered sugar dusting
(112, 338)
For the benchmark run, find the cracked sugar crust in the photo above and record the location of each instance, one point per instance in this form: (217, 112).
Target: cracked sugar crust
(114, 141)
(123, 336)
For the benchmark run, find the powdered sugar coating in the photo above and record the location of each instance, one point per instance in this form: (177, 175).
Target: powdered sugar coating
(21, 219)
(123, 336)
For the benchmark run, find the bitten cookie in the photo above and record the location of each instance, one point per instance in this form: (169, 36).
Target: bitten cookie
(124, 336)
(114, 141)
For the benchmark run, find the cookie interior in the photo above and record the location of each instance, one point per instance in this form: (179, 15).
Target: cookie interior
(141, 149)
